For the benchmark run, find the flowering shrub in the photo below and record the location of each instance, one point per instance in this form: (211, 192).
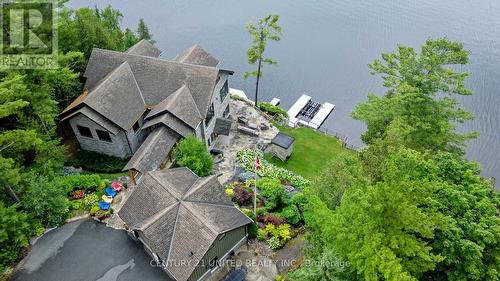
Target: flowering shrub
(94, 210)
(75, 204)
(242, 196)
(274, 243)
(78, 194)
(273, 219)
(247, 158)
(277, 236)
(90, 199)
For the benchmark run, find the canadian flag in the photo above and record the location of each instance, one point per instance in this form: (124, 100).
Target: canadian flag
(257, 162)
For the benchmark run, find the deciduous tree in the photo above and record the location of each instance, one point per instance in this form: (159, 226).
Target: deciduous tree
(421, 90)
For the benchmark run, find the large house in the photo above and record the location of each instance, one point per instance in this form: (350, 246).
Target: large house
(137, 104)
(186, 223)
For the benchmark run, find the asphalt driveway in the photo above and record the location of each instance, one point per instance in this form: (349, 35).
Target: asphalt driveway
(87, 251)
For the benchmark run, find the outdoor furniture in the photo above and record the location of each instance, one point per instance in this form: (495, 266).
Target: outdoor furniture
(242, 120)
(216, 151)
(107, 199)
(263, 126)
(252, 126)
(104, 206)
(116, 186)
(248, 131)
(110, 192)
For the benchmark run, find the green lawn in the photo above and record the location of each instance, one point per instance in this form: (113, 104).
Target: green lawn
(312, 151)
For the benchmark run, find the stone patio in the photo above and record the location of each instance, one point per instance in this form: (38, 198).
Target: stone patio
(237, 141)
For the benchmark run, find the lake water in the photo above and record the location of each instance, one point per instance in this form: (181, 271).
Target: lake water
(327, 45)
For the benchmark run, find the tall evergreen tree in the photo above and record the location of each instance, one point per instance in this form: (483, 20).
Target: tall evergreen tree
(262, 31)
(143, 32)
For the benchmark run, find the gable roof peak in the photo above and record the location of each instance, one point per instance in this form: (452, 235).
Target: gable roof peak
(181, 104)
(197, 55)
(144, 48)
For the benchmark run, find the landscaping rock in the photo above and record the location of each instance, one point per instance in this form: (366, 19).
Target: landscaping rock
(243, 177)
(290, 190)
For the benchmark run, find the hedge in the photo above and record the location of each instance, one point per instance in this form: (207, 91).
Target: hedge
(96, 162)
(272, 109)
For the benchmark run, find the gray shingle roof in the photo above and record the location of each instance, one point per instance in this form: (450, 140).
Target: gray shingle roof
(144, 48)
(153, 151)
(182, 105)
(156, 78)
(116, 97)
(171, 210)
(171, 122)
(196, 55)
(96, 117)
(222, 126)
(283, 140)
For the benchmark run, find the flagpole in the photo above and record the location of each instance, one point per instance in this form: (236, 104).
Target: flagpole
(255, 185)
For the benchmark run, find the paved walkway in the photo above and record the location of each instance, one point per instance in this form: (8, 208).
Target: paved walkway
(86, 250)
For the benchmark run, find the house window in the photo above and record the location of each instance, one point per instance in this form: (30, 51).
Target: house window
(136, 126)
(226, 111)
(210, 115)
(103, 135)
(212, 138)
(84, 131)
(223, 91)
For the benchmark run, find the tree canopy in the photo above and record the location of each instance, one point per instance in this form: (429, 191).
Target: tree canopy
(408, 206)
(31, 153)
(421, 89)
(86, 28)
(192, 153)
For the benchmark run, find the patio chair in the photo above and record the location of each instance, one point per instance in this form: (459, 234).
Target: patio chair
(116, 186)
(107, 199)
(110, 192)
(104, 206)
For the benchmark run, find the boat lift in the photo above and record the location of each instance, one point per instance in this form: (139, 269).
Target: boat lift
(308, 112)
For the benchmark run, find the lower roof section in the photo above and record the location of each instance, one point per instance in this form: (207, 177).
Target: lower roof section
(153, 151)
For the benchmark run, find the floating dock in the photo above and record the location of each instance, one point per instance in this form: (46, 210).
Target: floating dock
(295, 110)
(308, 112)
